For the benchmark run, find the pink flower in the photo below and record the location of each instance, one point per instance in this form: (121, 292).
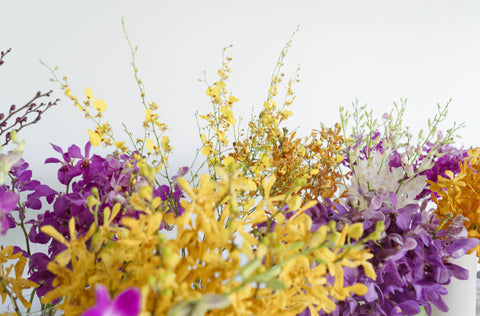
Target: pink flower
(127, 303)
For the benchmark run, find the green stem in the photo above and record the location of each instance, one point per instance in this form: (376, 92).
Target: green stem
(32, 296)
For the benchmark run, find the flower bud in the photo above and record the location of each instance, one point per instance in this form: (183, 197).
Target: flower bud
(94, 191)
(91, 201)
(13, 136)
(355, 231)
(146, 192)
(170, 258)
(380, 227)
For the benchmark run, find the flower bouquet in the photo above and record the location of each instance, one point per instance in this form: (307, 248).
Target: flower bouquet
(263, 222)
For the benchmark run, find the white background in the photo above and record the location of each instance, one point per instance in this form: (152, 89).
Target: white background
(376, 51)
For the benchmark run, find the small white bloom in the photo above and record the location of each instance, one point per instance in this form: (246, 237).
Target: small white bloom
(9, 159)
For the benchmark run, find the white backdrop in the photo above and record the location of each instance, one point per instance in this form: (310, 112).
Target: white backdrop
(376, 51)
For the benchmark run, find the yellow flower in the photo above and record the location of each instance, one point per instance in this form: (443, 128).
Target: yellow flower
(120, 145)
(88, 93)
(100, 105)
(268, 202)
(94, 138)
(149, 144)
(71, 281)
(458, 195)
(232, 99)
(164, 143)
(17, 284)
(227, 115)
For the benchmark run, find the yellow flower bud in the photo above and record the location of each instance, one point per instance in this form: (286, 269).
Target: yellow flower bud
(91, 201)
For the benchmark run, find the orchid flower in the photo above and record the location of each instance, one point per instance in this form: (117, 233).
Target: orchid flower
(127, 303)
(8, 201)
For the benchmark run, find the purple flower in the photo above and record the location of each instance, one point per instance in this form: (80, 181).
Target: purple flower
(111, 177)
(69, 169)
(127, 303)
(8, 201)
(39, 272)
(411, 259)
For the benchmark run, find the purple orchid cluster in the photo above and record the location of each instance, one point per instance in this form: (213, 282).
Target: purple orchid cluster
(23, 185)
(412, 258)
(111, 179)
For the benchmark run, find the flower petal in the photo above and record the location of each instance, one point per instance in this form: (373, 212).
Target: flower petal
(102, 306)
(403, 221)
(410, 307)
(8, 201)
(127, 303)
(75, 152)
(102, 296)
(52, 160)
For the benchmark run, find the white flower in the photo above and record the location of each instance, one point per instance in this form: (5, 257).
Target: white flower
(373, 177)
(9, 159)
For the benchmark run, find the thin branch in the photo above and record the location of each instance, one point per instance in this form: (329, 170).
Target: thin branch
(18, 118)
(3, 54)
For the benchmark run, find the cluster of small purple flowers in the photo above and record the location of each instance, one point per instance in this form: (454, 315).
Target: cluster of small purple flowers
(413, 257)
(109, 179)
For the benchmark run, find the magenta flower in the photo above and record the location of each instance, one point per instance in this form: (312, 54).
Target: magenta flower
(8, 201)
(127, 303)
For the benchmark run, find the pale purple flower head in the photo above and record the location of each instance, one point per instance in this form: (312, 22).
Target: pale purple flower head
(411, 259)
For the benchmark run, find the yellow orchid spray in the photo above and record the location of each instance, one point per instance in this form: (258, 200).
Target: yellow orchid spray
(237, 240)
(205, 257)
(457, 194)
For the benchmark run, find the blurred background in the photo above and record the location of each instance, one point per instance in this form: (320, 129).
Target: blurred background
(376, 52)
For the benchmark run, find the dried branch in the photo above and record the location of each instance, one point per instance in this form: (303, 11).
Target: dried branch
(28, 114)
(3, 54)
